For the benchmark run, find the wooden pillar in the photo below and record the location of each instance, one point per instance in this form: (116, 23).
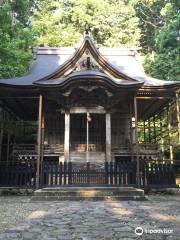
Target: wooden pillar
(154, 128)
(42, 141)
(1, 131)
(66, 136)
(161, 136)
(149, 130)
(39, 143)
(136, 121)
(144, 130)
(8, 146)
(136, 138)
(108, 137)
(131, 129)
(170, 133)
(178, 116)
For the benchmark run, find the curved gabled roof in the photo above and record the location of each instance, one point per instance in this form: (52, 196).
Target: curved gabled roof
(89, 75)
(120, 66)
(43, 66)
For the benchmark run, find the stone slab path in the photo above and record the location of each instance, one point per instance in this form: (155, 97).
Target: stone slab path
(87, 220)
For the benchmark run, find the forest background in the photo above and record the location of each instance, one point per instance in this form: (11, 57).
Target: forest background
(152, 25)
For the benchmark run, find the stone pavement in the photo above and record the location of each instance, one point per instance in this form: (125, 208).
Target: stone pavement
(87, 220)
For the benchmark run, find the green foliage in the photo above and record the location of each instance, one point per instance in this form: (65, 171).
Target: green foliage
(152, 24)
(165, 60)
(151, 20)
(16, 37)
(62, 23)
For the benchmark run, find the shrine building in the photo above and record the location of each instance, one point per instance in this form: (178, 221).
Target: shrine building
(86, 105)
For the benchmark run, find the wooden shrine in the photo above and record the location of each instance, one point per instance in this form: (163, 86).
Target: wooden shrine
(87, 108)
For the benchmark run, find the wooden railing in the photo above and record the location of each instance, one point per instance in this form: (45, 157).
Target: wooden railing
(143, 149)
(111, 174)
(149, 149)
(50, 149)
(55, 149)
(149, 146)
(18, 175)
(68, 173)
(154, 173)
(24, 148)
(57, 174)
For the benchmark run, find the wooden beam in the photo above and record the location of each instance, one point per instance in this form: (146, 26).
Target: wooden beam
(66, 136)
(149, 130)
(131, 108)
(1, 130)
(154, 128)
(7, 151)
(80, 110)
(170, 133)
(162, 137)
(135, 115)
(153, 97)
(42, 141)
(178, 116)
(136, 139)
(39, 142)
(144, 131)
(108, 137)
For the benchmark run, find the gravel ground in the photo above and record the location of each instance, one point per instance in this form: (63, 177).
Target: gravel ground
(87, 220)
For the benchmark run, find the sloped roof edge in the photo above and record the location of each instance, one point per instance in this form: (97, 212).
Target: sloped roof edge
(87, 74)
(54, 65)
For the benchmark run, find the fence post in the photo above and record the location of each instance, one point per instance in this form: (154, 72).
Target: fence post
(60, 173)
(88, 172)
(115, 173)
(173, 174)
(51, 172)
(111, 173)
(106, 172)
(65, 172)
(69, 172)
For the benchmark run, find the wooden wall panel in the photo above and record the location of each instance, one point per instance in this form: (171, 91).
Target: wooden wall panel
(120, 133)
(54, 128)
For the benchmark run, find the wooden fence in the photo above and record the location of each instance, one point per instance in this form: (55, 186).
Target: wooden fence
(68, 173)
(59, 174)
(122, 174)
(157, 173)
(18, 175)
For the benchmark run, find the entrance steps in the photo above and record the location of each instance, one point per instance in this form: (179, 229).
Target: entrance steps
(93, 157)
(77, 193)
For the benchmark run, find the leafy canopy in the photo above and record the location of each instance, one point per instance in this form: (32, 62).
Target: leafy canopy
(61, 23)
(152, 24)
(164, 61)
(15, 37)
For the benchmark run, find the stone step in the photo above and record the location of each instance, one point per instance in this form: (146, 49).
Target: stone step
(96, 198)
(88, 193)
